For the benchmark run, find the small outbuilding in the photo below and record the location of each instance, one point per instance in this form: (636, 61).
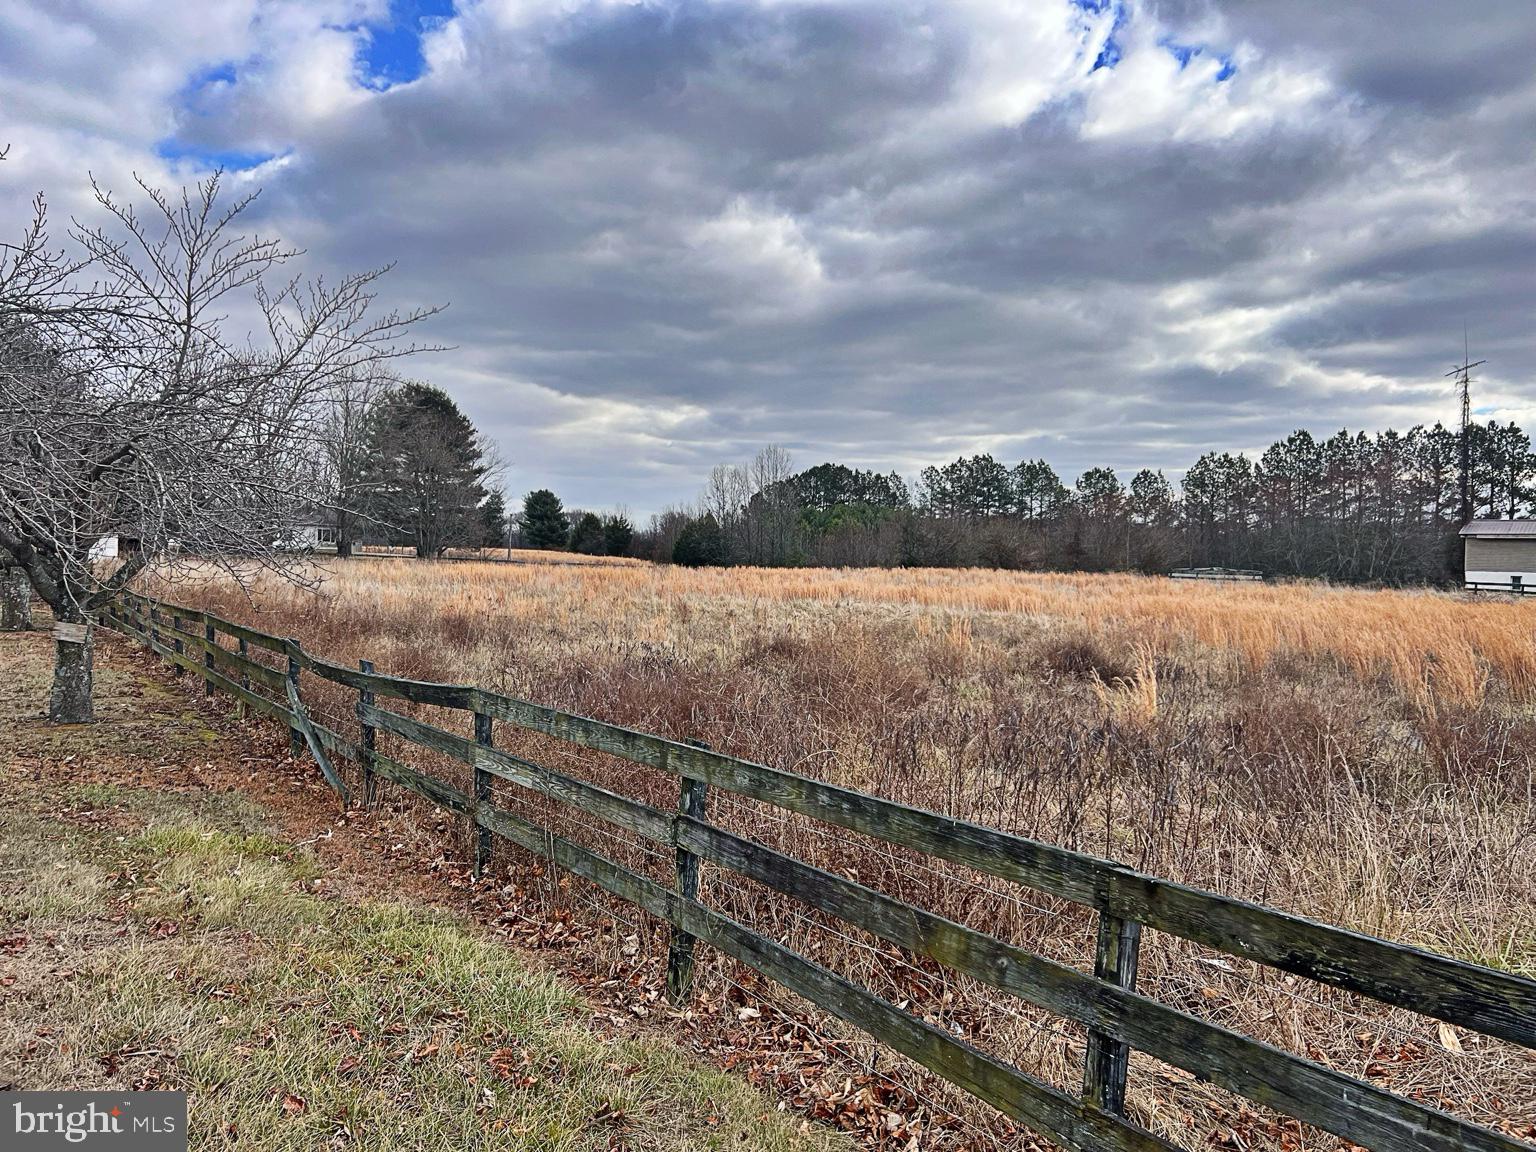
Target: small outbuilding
(1500, 555)
(314, 531)
(1216, 574)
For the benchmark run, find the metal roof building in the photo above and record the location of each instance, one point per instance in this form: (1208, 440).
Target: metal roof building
(1500, 555)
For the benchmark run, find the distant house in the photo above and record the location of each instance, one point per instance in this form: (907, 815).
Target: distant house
(1500, 555)
(317, 537)
(111, 547)
(315, 531)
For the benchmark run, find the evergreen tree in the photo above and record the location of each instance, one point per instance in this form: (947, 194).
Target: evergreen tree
(1099, 516)
(427, 470)
(618, 535)
(493, 521)
(587, 535)
(1038, 493)
(1151, 499)
(700, 543)
(543, 520)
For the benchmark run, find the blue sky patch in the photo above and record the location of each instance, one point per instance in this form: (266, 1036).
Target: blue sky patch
(1109, 55)
(217, 74)
(1184, 53)
(390, 52)
(229, 159)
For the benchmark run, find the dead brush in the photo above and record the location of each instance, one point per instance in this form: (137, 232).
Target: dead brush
(1365, 758)
(1133, 698)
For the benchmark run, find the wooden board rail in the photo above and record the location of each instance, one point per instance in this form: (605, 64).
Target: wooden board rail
(1105, 1002)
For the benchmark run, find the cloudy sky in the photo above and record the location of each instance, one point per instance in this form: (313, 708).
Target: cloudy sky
(885, 232)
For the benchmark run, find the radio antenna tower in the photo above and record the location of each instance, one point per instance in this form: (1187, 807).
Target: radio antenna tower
(1463, 375)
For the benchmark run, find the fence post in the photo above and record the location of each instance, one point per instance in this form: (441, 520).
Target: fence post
(210, 638)
(245, 677)
(366, 746)
(1115, 959)
(176, 645)
(295, 737)
(154, 623)
(691, 800)
(482, 796)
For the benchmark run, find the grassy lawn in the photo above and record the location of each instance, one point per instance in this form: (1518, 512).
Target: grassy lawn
(171, 937)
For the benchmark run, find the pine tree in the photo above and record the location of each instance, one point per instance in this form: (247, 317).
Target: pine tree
(428, 466)
(587, 535)
(700, 543)
(493, 521)
(543, 520)
(618, 535)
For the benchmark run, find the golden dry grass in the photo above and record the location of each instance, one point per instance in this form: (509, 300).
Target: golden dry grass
(1434, 646)
(1363, 757)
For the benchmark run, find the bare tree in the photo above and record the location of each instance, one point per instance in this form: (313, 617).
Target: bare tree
(346, 433)
(772, 511)
(725, 497)
(133, 407)
(15, 596)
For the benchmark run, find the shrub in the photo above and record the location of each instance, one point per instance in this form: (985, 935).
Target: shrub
(1081, 657)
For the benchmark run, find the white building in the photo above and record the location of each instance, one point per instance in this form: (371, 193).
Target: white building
(1500, 555)
(316, 537)
(111, 547)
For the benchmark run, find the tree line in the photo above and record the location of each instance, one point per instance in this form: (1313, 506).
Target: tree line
(1352, 507)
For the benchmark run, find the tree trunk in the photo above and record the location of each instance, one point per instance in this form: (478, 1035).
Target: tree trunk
(70, 700)
(346, 531)
(15, 600)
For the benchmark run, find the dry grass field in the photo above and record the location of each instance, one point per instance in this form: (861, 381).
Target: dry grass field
(1361, 757)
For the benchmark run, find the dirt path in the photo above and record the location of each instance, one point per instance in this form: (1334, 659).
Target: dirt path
(182, 906)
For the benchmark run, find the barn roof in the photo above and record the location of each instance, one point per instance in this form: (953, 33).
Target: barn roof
(1505, 529)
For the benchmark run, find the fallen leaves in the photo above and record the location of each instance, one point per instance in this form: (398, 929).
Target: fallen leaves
(513, 1065)
(1449, 1040)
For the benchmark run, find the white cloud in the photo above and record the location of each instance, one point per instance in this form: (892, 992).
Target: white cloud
(761, 253)
(886, 229)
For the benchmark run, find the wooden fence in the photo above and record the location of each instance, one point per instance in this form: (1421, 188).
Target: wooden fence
(1106, 1002)
(1512, 587)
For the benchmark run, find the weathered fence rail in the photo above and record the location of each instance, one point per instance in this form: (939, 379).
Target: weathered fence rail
(1118, 1018)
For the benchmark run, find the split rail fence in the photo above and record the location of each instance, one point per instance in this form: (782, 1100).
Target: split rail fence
(1105, 1002)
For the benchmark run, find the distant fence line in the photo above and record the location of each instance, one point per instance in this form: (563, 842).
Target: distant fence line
(1118, 1018)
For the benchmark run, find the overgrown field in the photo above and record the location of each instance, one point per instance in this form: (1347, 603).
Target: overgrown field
(1362, 757)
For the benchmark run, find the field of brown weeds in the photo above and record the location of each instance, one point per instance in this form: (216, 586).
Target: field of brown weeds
(1361, 757)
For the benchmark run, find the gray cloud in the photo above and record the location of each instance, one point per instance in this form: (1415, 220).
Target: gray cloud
(885, 233)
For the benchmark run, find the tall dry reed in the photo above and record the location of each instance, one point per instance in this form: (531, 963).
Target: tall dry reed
(1363, 757)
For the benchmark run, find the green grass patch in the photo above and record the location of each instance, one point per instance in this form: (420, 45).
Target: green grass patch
(195, 953)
